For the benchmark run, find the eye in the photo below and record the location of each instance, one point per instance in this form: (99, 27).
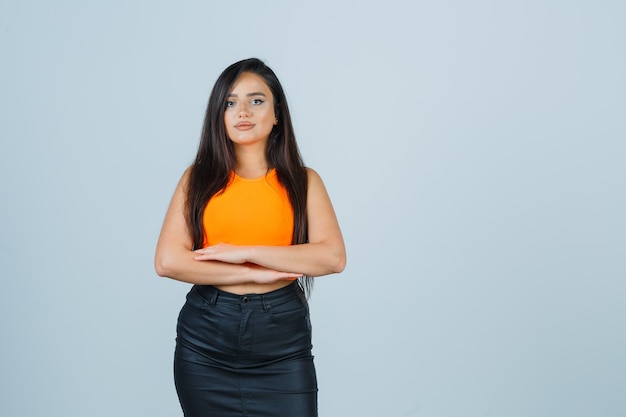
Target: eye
(230, 103)
(257, 101)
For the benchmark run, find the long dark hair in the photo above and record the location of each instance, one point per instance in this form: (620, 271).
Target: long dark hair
(211, 171)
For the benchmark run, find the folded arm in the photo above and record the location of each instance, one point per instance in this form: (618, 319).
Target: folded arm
(324, 254)
(175, 259)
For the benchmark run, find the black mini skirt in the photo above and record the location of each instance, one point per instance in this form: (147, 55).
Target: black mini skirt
(245, 355)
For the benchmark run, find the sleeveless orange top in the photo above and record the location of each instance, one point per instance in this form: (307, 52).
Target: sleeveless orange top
(249, 212)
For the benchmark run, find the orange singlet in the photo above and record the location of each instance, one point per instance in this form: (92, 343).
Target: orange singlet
(250, 212)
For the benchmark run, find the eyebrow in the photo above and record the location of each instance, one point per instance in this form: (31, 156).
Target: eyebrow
(248, 95)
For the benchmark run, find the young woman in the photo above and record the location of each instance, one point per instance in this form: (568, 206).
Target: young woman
(249, 225)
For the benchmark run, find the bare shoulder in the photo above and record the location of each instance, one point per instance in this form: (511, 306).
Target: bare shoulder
(316, 189)
(184, 179)
(313, 177)
(183, 184)
(177, 203)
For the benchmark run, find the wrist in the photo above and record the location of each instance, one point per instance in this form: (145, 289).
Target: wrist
(250, 254)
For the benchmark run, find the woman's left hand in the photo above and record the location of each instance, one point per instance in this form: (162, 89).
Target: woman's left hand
(223, 252)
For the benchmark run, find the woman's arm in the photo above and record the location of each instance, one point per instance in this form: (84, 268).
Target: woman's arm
(175, 259)
(324, 254)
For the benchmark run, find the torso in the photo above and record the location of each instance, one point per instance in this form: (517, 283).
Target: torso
(251, 211)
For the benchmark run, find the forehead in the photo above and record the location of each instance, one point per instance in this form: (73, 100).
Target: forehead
(248, 83)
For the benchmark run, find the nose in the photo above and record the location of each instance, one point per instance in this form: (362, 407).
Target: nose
(244, 110)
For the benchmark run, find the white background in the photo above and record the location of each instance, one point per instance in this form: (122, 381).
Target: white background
(474, 151)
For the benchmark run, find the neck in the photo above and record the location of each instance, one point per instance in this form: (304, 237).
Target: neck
(251, 163)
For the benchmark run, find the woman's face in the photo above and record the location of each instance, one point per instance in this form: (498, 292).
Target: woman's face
(249, 116)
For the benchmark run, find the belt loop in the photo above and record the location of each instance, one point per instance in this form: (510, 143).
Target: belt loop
(214, 298)
(266, 303)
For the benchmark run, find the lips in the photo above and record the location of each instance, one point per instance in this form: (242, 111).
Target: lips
(244, 126)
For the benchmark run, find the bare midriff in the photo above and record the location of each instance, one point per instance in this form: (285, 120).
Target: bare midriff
(252, 288)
